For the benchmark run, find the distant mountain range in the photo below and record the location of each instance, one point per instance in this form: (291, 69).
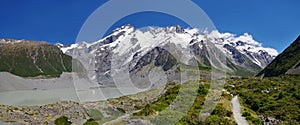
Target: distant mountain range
(138, 50)
(288, 62)
(168, 48)
(31, 59)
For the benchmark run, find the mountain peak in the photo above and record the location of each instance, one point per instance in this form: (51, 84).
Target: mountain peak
(177, 29)
(127, 27)
(244, 42)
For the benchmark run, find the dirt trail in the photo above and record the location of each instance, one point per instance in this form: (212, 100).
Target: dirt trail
(237, 113)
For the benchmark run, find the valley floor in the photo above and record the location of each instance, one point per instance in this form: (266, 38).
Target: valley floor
(271, 101)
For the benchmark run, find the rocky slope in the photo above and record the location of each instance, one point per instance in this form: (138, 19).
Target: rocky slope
(31, 59)
(288, 62)
(136, 52)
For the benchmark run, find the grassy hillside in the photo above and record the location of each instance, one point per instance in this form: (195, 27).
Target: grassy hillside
(164, 111)
(30, 59)
(275, 97)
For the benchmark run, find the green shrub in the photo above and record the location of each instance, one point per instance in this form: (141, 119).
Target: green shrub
(121, 110)
(216, 120)
(91, 122)
(63, 120)
(245, 114)
(221, 111)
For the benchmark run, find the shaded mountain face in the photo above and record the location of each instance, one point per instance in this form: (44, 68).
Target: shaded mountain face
(288, 62)
(30, 59)
(168, 48)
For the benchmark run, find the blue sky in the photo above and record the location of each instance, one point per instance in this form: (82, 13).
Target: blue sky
(275, 23)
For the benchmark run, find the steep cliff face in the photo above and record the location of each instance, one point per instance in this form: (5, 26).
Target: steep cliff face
(288, 62)
(31, 59)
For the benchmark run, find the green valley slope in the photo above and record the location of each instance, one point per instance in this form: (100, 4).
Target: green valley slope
(31, 59)
(288, 62)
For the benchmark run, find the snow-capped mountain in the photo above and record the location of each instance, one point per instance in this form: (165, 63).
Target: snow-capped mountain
(130, 49)
(246, 45)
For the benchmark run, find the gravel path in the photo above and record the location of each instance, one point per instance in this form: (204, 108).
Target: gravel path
(237, 114)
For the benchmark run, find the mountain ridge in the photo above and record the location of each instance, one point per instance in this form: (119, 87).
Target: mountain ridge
(126, 46)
